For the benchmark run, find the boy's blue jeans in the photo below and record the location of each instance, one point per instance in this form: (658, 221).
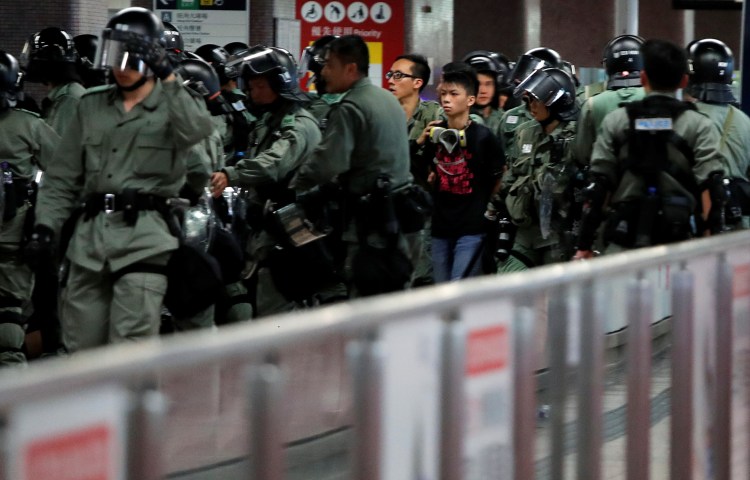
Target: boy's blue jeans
(452, 256)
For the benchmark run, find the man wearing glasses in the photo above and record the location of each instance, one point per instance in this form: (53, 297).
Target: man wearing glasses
(407, 78)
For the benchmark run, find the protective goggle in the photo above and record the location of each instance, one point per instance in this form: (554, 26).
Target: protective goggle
(258, 60)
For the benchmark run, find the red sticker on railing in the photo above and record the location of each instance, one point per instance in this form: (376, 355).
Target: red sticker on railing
(487, 350)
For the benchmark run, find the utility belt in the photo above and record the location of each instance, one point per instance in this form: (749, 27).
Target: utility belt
(651, 220)
(130, 202)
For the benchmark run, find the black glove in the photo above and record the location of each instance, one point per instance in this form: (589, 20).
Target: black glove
(153, 55)
(40, 249)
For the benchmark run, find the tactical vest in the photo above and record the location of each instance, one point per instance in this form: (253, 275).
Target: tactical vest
(669, 197)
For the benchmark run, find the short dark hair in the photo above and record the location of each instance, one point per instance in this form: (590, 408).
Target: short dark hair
(352, 49)
(420, 69)
(665, 64)
(461, 74)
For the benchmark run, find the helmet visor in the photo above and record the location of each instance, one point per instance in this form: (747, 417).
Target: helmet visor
(541, 86)
(526, 65)
(113, 53)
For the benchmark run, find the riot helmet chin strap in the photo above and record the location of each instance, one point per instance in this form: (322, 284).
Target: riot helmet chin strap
(131, 88)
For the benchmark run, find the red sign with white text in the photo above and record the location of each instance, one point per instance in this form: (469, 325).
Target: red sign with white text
(78, 455)
(380, 24)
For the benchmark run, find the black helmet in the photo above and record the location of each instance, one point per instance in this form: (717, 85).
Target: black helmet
(173, 43)
(233, 48)
(534, 59)
(622, 61)
(9, 78)
(199, 77)
(47, 53)
(218, 57)
(485, 61)
(134, 24)
(312, 61)
(570, 69)
(86, 46)
(711, 67)
(554, 88)
(276, 64)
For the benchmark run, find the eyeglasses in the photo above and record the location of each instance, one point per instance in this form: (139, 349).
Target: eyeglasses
(397, 75)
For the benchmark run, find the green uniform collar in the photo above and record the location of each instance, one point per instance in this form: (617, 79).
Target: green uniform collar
(62, 90)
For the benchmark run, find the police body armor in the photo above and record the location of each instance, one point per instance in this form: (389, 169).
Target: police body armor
(668, 197)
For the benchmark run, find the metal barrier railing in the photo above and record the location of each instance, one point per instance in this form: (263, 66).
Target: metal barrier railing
(442, 378)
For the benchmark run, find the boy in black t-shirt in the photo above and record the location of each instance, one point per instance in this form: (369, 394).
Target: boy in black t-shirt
(466, 164)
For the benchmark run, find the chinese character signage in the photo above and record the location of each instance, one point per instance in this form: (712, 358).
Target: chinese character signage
(380, 24)
(206, 21)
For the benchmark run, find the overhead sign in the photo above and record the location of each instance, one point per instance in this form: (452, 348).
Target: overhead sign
(380, 24)
(206, 21)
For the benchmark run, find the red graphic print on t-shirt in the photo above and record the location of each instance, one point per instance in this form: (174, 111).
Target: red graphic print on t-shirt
(453, 173)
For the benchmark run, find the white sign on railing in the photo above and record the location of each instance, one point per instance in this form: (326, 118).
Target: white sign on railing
(411, 399)
(740, 467)
(76, 437)
(488, 451)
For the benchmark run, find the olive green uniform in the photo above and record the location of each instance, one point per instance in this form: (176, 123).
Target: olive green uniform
(525, 183)
(26, 143)
(734, 127)
(106, 150)
(364, 139)
(426, 112)
(60, 105)
(698, 131)
(279, 143)
(320, 105)
(511, 121)
(494, 121)
(593, 112)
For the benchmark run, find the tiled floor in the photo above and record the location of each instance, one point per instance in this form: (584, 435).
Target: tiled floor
(614, 446)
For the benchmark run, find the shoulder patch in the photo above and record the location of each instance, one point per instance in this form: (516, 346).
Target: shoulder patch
(512, 119)
(287, 121)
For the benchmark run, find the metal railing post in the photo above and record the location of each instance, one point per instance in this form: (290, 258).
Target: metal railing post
(452, 407)
(558, 378)
(591, 371)
(683, 332)
(366, 357)
(524, 401)
(640, 313)
(146, 436)
(724, 372)
(266, 394)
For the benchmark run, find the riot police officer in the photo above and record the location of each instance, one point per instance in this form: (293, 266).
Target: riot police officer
(659, 160)
(86, 47)
(238, 119)
(50, 57)
(284, 135)
(493, 71)
(711, 68)
(623, 64)
(311, 64)
(27, 144)
(537, 182)
(124, 155)
(365, 150)
(515, 117)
